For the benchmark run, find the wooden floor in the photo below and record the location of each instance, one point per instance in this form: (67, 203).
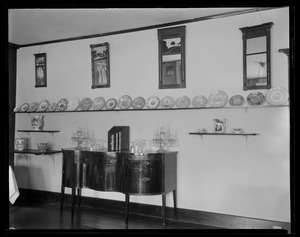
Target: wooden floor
(47, 216)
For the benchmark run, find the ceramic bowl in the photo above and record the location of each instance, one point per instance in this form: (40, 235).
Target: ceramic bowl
(43, 146)
(237, 130)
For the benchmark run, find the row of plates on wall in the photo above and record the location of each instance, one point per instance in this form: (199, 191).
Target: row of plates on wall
(218, 98)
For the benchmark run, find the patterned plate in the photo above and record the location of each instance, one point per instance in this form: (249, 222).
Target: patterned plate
(73, 104)
(138, 103)
(62, 104)
(199, 101)
(218, 98)
(167, 102)
(277, 96)
(52, 107)
(153, 102)
(255, 98)
(43, 105)
(236, 100)
(124, 102)
(111, 104)
(98, 103)
(24, 107)
(85, 103)
(183, 102)
(33, 106)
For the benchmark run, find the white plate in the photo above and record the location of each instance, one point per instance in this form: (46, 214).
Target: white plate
(43, 105)
(85, 104)
(218, 98)
(52, 107)
(62, 104)
(124, 102)
(138, 103)
(183, 101)
(236, 100)
(277, 96)
(153, 102)
(17, 109)
(24, 107)
(167, 102)
(199, 101)
(111, 104)
(255, 98)
(33, 106)
(73, 104)
(98, 103)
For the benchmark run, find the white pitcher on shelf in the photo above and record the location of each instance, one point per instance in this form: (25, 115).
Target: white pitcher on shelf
(37, 122)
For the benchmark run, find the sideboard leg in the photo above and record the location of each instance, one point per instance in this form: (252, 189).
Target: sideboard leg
(127, 197)
(62, 198)
(73, 203)
(175, 205)
(79, 196)
(164, 208)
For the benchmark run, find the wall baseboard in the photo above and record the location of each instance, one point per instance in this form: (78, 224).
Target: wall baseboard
(184, 215)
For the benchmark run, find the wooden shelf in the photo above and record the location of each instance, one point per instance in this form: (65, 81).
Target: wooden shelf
(224, 134)
(36, 152)
(160, 109)
(48, 131)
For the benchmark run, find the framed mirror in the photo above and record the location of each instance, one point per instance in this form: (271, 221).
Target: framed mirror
(256, 57)
(100, 65)
(40, 70)
(171, 51)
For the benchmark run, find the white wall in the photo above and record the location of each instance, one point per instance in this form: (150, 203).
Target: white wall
(229, 175)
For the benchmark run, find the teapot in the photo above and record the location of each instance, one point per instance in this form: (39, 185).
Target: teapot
(37, 122)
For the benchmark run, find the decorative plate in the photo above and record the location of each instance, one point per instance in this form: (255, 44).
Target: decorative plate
(24, 107)
(277, 96)
(111, 104)
(17, 109)
(124, 102)
(85, 103)
(153, 102)
(218, 98)
(183, 101)
(62, 104)
(43, 105)
(138, 103)
(33, 106)
(73, 104)
(52, 107)
(199, 101)
(255, 98)
(98, 103)
(167, 102)
(236, 100)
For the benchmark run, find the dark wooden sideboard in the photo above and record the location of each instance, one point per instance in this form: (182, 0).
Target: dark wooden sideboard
(150, 174)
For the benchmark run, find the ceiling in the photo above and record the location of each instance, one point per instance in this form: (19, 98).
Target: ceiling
(30, 26)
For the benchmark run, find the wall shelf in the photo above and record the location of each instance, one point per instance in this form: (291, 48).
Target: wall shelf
(46, 131)
(224, 134)
(159, 109)
(36, 152)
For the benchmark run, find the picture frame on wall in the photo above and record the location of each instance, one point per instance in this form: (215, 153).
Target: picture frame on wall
(100, 65)
(40, 70)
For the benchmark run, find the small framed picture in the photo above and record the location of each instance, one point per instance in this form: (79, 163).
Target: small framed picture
(100, 65)
(219, 125)
(40, 70)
